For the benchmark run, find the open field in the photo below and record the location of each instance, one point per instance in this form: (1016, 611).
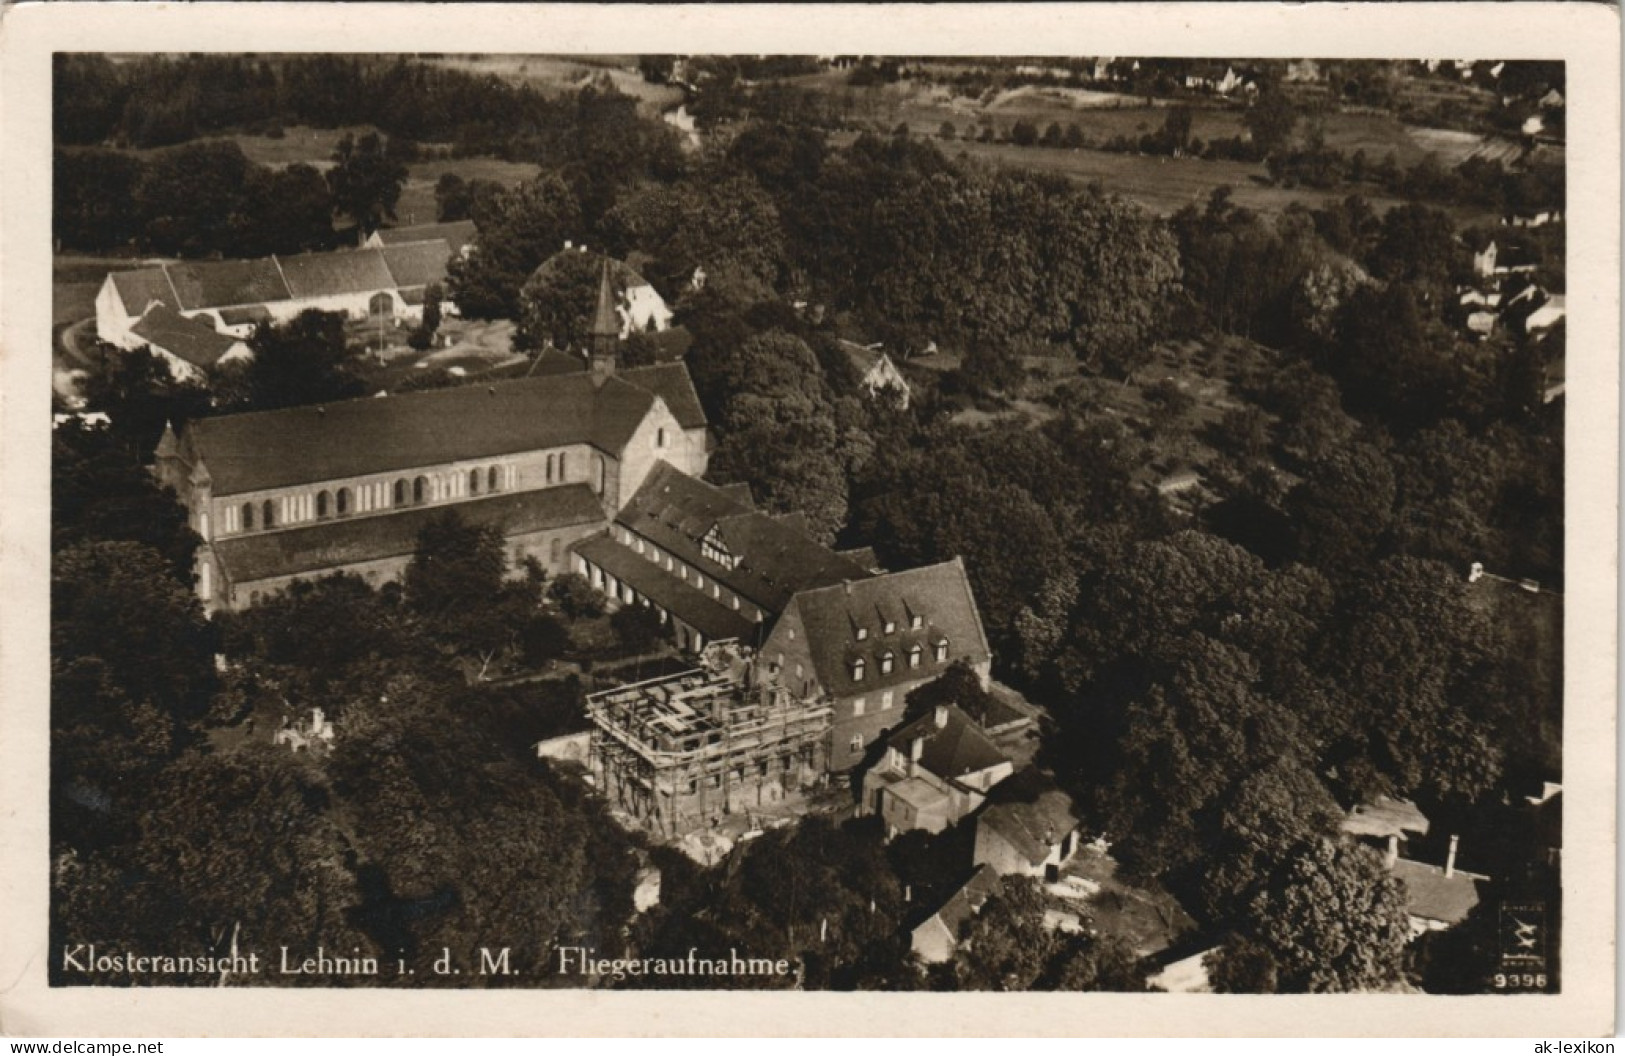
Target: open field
(1104, 115)
(417, 204)
(1165, 185)
(75, 279)
(557, 74)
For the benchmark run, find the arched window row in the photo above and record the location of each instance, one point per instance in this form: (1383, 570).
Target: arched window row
(330, 503)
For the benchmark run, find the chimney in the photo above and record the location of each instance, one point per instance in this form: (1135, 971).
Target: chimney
(940, 716)
(1450, 861)
(916, 748)
(1393, 851)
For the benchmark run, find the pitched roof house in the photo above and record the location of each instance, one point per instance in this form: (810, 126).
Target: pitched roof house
(878, 375)
(936, 938)
(457, 234)
(190, 347)
(868, 640)
(1029, 826)
(936, 770)
(706, 557)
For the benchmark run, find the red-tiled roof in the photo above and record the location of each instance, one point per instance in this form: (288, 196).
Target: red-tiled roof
(351, 438)
(333, 544)
(700, 611)
(951, 751)
(939, 595)
(553, 361)
(196, 342)
(1386, 817)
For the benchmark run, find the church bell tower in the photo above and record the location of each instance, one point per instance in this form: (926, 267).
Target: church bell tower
(606, 327)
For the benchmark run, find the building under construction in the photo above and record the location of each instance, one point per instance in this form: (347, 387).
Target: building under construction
(678, 752)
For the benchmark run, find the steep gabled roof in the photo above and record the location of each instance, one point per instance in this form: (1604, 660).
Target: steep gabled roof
(677, 511)
(351, 438)
(672, 383)
(1030, 813)
(323, 546)
(939, 595)
(969, 899)
(952, 750)
(334, 274)
(196, 342)
(219, 283)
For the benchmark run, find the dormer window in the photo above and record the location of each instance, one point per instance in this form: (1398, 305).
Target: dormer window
(914, 655)
(857, 669)
(916, 621)
(942, 651)
(891, 627)
(863, 633)
(886, 660)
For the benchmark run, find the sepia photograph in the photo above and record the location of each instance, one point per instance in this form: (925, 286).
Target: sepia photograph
(1043, 522)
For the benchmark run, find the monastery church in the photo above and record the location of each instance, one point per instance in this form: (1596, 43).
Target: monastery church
(597, 472)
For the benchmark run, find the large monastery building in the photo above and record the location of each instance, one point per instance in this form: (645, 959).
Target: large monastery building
(596, 472)
(298, 492)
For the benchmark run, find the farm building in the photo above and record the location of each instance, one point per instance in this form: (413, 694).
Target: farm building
(233, 296)
(458, 235)
(191, 347)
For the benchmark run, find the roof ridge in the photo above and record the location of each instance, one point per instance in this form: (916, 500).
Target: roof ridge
(173, 291)
(418, 396)
(282, 275)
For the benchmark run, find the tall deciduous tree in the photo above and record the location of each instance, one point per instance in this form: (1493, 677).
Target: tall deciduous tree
(1331, 920)
(366, 181)
(188, 196)
(519, 229)
(301, 362)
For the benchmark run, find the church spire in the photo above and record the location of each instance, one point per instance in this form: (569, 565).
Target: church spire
(606, 326)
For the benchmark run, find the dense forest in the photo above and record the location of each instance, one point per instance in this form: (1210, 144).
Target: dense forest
(1223, 682)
